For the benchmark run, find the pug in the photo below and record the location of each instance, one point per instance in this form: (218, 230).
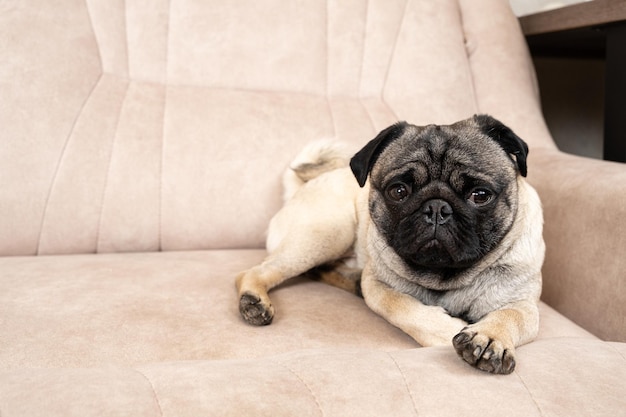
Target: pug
(435, 226)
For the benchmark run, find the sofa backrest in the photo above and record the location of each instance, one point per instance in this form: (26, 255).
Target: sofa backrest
(166, 125)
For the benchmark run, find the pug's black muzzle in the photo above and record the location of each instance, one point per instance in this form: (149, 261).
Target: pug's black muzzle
(434, 237)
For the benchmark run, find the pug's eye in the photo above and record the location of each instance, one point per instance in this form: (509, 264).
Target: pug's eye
(398, 191)
(480, 197)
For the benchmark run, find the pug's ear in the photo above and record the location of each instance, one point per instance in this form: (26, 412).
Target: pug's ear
(505, 137)
(363, 161)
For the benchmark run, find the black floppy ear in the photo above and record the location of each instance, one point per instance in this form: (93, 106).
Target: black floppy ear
(505, 137)
(361, 163)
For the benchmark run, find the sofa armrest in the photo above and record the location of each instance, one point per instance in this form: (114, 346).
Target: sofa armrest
(584, 204)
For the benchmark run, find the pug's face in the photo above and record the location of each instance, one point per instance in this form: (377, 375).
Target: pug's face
(443, 196)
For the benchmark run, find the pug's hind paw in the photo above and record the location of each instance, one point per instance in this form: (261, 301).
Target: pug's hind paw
(483, 352)
(254, 310)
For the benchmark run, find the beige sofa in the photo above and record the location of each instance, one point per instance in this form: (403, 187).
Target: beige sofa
(142, 146)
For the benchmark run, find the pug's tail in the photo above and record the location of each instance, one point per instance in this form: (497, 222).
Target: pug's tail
(314, 160)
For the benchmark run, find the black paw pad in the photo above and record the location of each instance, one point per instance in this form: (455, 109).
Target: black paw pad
(254, 311)
(483, 353)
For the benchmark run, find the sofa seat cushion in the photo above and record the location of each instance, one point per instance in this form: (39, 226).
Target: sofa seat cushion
(136, 308)
(584, 379)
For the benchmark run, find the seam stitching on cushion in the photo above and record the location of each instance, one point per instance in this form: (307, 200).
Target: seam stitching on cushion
(161, 164)
(406, 383)
(390, 108)
(108, 172)
(308, 387)
(393, 49)
(327, 34)
(468, 57)
(127, 40)
(363, 43)
(62, 158)
(529, 393)
(332, 117)
(156, 397)
(369, 116)
(328, 100)
(95, 36)
(391, 57)
(163, 130)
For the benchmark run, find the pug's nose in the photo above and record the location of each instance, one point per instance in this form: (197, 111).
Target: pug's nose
(437, 212)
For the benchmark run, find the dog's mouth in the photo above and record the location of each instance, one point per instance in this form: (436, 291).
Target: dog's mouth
(432, 244)
(433, 253)
(437, 253)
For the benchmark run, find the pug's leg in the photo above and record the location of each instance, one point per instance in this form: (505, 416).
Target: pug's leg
(317, 226)
(339, 275)
(428, 325)
(252, 286)
(489, 344)
(303, 247)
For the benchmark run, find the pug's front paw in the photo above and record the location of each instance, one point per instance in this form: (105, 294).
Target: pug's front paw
(483, 352)
(254, 310)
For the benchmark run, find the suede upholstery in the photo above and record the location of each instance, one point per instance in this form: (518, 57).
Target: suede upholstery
(141, 156)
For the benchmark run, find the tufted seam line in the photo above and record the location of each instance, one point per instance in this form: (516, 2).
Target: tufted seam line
(154, 394)
(327, 94)
(391, 57)
(532, 397)
(393, 49)
(165, 90)
(127, 40)
(363, 46)
(161, 164)
(108, 173)
(61, 159)
(369, 116)
(406, 383)
(327, 35)
(303, 382)
(95, 37)
(395, 115)
(468, 55)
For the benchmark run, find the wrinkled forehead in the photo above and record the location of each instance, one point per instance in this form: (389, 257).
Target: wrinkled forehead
(439, 151)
